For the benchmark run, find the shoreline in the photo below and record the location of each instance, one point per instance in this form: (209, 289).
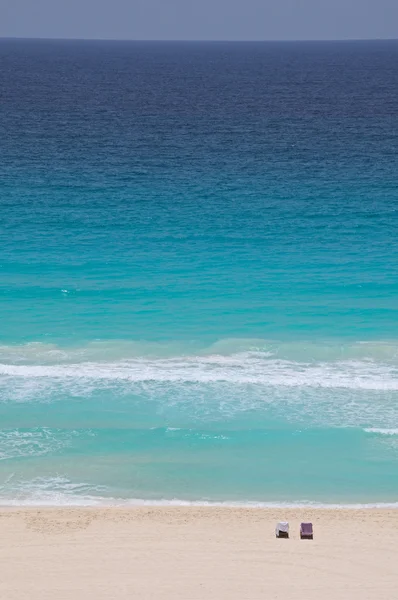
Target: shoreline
(261, 513)
(196, 553)
(103, 503)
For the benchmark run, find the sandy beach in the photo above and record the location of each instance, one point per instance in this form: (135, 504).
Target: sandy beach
(196, 553)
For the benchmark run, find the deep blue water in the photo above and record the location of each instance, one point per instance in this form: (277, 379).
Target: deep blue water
(198, 271)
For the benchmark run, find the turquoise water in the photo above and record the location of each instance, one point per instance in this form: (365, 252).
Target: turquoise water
(198, 273)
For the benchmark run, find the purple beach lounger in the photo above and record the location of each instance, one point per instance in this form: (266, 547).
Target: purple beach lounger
(306, 531)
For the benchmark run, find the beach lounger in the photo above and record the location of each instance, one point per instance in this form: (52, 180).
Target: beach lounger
(306, 531)
(282, 530)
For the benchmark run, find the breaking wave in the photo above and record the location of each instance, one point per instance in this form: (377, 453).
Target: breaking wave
(245, 368)
(359, 365)
(121, 350)
(349, 385)
(382, 431)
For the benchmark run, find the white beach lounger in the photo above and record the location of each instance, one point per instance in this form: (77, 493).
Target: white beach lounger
(282, 529)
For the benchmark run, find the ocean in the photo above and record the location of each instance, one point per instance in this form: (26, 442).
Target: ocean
(198, 272)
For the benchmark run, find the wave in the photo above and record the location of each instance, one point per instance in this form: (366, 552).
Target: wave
(249, 368)
(24, 443)
(49, 491)
(60, 491)
(385, 351)
(381, 431)
(210, 385)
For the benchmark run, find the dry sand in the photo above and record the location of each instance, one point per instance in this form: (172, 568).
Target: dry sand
(193, 553)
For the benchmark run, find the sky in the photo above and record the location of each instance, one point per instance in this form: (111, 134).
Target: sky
(200, 19)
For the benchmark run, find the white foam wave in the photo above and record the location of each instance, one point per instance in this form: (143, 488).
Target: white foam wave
(381, 431)
(240, 369)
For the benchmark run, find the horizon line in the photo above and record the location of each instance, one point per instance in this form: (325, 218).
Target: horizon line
(196, 40)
